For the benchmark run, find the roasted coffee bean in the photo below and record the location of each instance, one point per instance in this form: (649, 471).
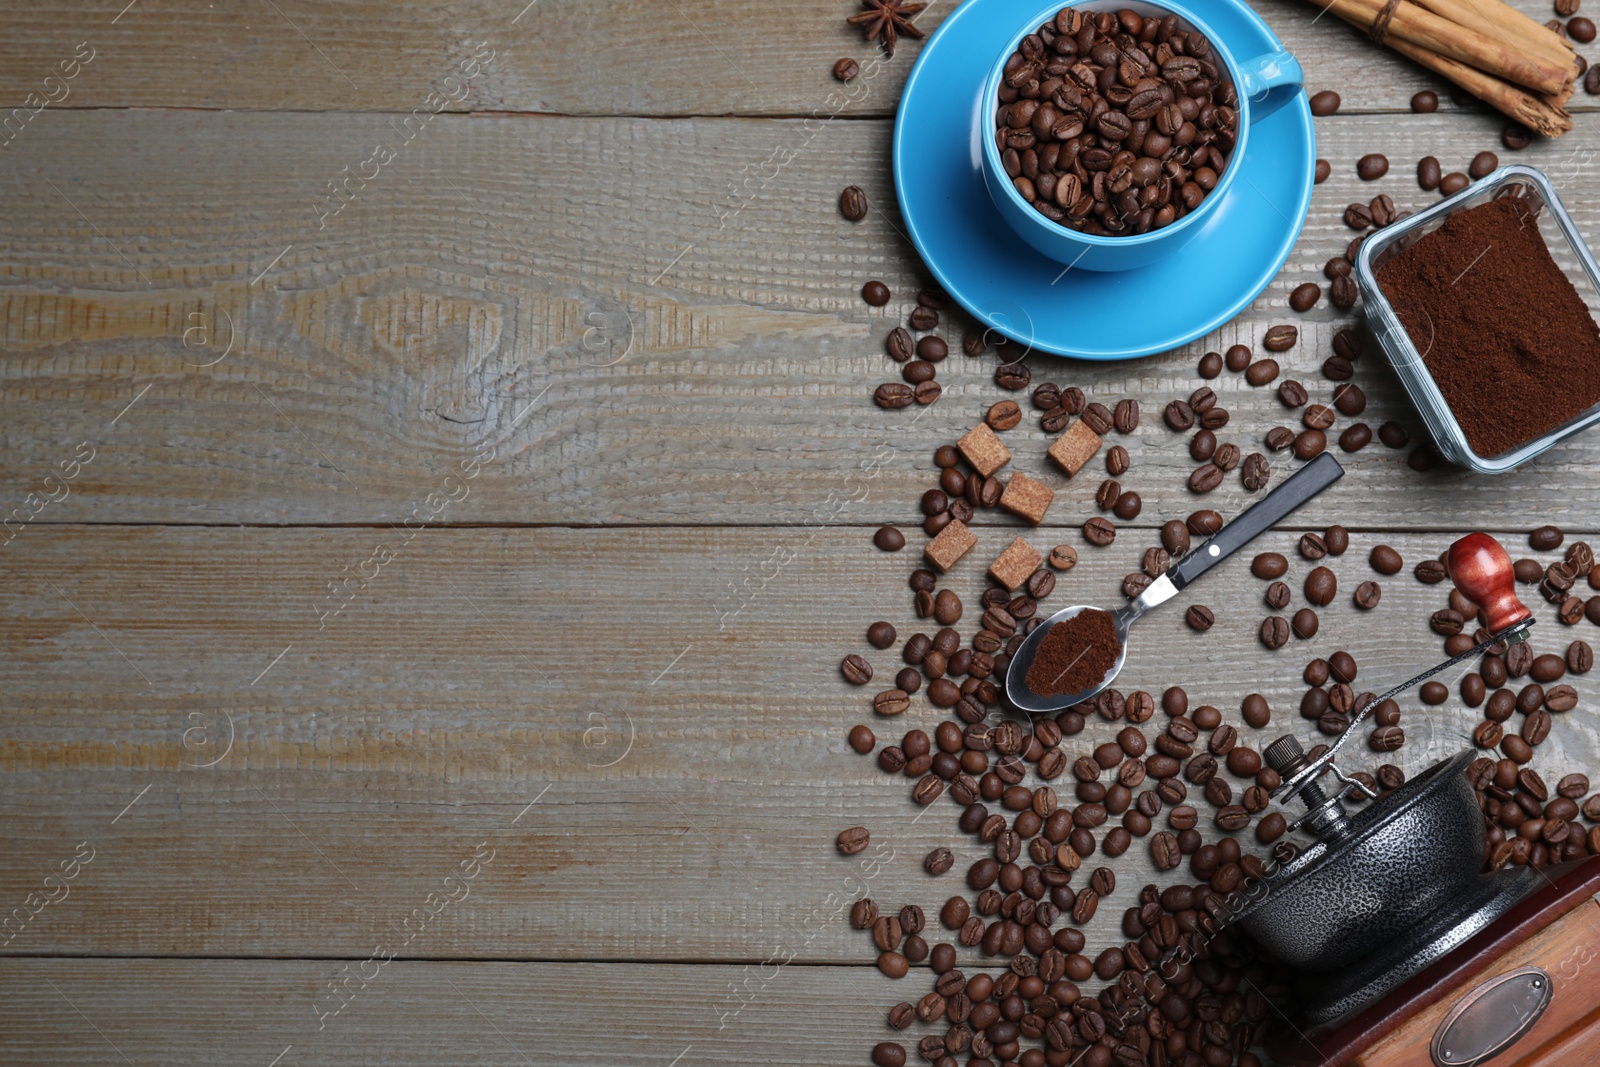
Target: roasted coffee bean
(1279, 438)
(1367, 595)
(1453, 183)
(1205, 478)
(1013, 376)
(1355, 437)
(1098, 417)
(1274, 631)
(1210, 365)
(1004, 415)
(887, 1053)
(1337, 267)
(846, 70)
(1358, 216)
(853, 201)
(1324, 103)
(1383, 208)
(899, 345)
(1431, 572)
(1292, 393)
(1156, 561)
(1387, 739)
(1280, 338)
(1591, 85)
(1199, 617)
(863, 913)
(1202, 446)
(1305, 624)
(973, 343)
(1063, 557)
(1323, 169)
(1425, 102)
(881, 634)
(1262, 371)
(1203, 523)
(1581, 29)
(1117, 460)
(1371, 167)
(875, 293)
(1546, 538)
(1483, 164)
(1165, 852)
(893, 395)
(938, 861)
(923, 319)
(1268, 565)
(1305, 296)
(1098, 531)
(1126, 416)
(856, 670)
(1350, 400)
(1127, 506)
(1580, 657)
(1255, 472)
(1429, 173)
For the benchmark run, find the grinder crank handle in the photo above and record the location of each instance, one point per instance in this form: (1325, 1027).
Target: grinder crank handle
(1482, 570)
(1266, 513)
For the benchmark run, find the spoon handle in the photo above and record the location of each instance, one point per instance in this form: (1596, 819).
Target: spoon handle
(1266, 513)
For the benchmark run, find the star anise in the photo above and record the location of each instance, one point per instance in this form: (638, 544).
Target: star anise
(887, 20)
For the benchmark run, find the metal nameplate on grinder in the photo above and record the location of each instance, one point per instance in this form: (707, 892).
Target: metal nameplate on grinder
(1491, 1017)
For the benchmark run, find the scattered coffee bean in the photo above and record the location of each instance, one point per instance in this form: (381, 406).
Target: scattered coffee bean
(1279, 438)
(1453, 183)
(1591, 85)
(1013, 376)
(1581, 29)
(1546, 538)
(1199, 617)
(1324, 103)
(894, 395)
(1098, 531)
(880, 635)
(1210, 365)
(1483, 164)
(1280, 338)
(875, 293)
(853, 206)
(1371, 167)
(1305, 296)
(1323, 169)
(1004, 415)
(1274, 631)
(1255, 472)
(1262, 371)
(1321, 586)
(1425, 102)
(1063, 557)
(1429, 173)
(846, 69)
(853, 840)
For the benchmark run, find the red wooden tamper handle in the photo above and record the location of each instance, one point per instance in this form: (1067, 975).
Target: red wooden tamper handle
(1481, 569)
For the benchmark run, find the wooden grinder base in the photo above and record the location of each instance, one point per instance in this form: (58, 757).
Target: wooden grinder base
(1556, 929)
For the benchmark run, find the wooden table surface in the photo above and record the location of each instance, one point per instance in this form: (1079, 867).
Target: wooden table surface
(431, 653)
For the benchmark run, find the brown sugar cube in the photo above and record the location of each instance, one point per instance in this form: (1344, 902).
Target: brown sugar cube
(953, 542)
(1015, 564)
(1075, 447)
(984, 450)
(1027, 498)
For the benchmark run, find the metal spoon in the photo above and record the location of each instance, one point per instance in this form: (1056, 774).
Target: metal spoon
(1266, 513)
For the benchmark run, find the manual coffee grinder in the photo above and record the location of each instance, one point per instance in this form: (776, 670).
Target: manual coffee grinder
(1411, 953)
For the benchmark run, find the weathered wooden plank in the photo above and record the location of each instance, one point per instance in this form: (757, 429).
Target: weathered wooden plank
(462, 303)
(251, 1011)
(691, 57)
(657, 760)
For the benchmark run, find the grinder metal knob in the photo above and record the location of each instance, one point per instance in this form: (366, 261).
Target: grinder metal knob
(1325, 816)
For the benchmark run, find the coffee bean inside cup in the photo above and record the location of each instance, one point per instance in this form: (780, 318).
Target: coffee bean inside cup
(1115, 128)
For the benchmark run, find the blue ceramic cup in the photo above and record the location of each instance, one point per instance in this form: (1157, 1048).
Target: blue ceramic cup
(1263, 84)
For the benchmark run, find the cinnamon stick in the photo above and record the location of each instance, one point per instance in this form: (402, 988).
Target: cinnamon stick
(1417, 25)
(1543, 115)
(1526, 35)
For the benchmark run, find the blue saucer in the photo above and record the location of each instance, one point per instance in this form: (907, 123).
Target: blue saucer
(1005, 284)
